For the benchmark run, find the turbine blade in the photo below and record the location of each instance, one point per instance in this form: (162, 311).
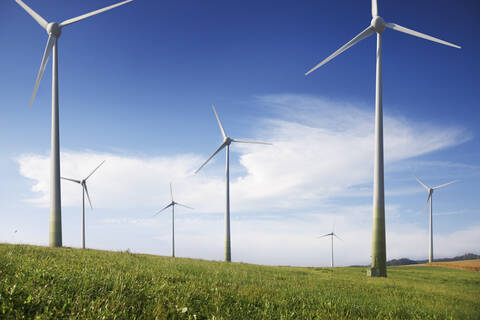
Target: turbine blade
(166, 207)
(338, 237)
(374, 8)
(171, 192)
(46, 54)
(444, 185)
(217, 151)
(426, 203)
(88, 196)
(418, 34)
(250, 141)
(87, 15)
(422, 184)
(182, 205)
(219, 123)
(73, 180)
(362, 35)
(42, 22)
(325, 235)
(95, 170)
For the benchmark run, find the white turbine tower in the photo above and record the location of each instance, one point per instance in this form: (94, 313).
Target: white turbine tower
(226, 143)
(54, 31)
(83, 183)
(331, 234)
(172, 204)
(430, 197)
(378, 25)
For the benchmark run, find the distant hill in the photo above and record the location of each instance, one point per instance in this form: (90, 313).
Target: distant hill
(401, 262)
(467, 256)
(406, 261)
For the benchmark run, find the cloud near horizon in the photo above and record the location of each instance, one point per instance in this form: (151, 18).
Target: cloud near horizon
(281, 195)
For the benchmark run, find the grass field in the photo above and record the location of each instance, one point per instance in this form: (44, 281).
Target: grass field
(46, 283)
(471, 265)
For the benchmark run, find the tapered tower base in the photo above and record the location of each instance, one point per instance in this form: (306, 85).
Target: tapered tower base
(374, 272)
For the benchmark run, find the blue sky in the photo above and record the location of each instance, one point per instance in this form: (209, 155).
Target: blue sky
(136, 85)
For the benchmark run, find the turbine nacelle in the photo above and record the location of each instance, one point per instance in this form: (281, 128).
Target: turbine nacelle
(227, 141)
(54, 29)
(172, 203)
(378, 24)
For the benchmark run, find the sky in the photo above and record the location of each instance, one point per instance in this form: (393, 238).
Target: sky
(136, 88)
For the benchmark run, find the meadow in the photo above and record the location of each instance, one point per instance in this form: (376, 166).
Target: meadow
(54, 283)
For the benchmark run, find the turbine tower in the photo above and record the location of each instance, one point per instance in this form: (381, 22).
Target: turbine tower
(83, 183)
(430, 197)
(226, 144)
(172, 204)
(377, 25)
(331, 234)
(54, 31)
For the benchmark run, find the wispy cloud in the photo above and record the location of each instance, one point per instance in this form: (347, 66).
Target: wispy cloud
(322, 149)
(449, 164)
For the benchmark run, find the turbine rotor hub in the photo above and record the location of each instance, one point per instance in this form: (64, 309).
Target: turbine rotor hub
(228, 141)
(378, 24)
(54, 29)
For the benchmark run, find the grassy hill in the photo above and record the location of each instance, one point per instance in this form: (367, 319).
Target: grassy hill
(46, 283)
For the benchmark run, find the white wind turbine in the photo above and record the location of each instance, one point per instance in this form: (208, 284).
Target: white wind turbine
(83, 183)
(226, 143)
(331, 234)
(378, 25)
(54, 31)
(172, 204)
(430, 197)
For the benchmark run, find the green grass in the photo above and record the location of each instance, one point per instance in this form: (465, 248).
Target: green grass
(46, 283)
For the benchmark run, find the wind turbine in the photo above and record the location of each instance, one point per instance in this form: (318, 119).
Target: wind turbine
(378, 25)
(430, 197)
(226, 144)
(172, 204)
(331, 234)
(83, 183)
(54, 31)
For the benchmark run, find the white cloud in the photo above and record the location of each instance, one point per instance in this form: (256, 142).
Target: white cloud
(321, 158)
(122, 182)
(324, 149)
(321, 150)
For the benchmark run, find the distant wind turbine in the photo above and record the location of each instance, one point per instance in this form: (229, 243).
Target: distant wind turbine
(226, 143)
(83, 183)
(13, 236)
(331, 234)
(172, 204)
(378, 25)
(430, 197)
(54, 31)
